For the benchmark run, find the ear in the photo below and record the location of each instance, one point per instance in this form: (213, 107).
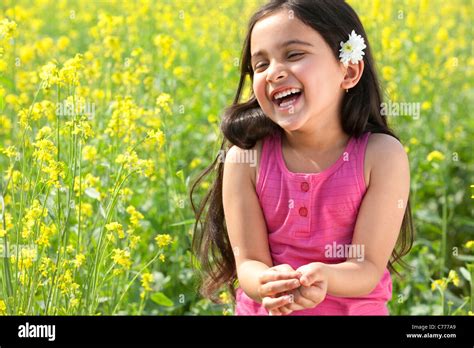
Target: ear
(353, 73)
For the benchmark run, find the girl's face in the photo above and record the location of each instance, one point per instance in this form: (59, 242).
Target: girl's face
(288, 55)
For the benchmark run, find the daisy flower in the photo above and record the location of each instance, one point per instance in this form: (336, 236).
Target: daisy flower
(352, 50)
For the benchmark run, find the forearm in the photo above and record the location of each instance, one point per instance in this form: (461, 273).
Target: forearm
(351, 278)
(248, 273)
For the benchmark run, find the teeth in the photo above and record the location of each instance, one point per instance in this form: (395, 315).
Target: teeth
(287, 103)
(286, 92)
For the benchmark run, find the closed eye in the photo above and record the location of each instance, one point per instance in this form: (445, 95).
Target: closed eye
(290, 56)
(295, 55)
(259, 66)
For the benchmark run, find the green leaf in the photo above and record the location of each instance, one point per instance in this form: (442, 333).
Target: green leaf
(6, 82)
(180, 175)
(465, 257)
(92, 193)
(161, 299)
(465, 273)
(185, 222)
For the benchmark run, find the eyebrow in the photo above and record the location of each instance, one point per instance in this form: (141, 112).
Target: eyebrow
(284, 44)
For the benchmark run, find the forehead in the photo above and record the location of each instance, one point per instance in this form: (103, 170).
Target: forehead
(279, 27)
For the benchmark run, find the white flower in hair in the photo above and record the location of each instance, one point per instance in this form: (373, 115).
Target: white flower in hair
(352, 50)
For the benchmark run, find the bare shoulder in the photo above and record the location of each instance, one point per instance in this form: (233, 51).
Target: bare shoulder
(385, 154)
(383, 144)
(245, 161)
(244, 217)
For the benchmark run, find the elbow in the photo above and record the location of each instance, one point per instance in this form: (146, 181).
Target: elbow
(374, 276)
(371, 287)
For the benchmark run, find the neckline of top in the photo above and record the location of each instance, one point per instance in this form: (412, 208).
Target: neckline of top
(333, 167)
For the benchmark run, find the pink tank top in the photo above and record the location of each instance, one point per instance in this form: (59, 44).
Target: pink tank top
(310, 214)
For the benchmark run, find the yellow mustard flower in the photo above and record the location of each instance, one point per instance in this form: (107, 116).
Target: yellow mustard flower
(122, 258)
(453, 276)
(3, 308)
(147, 279)
(163, 240)
(79, 260)
(49, 75)
(69, 73)
(435, 156)
(438, 283)
(45, 234)
(224, 297)
(157, 137)
(7, 29)
(115, 226)
(89, 153)
(135, 216)
(163, 102)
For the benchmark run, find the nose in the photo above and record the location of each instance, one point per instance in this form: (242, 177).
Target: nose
(276, 72)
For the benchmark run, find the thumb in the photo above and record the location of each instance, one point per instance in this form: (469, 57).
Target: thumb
(306, 280)
(310, 276)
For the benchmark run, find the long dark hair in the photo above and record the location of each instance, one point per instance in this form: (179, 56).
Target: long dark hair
(244, 123)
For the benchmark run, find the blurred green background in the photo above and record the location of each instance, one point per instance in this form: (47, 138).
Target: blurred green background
(85, 195)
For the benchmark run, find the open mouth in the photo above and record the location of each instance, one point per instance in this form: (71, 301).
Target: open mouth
(287, 101)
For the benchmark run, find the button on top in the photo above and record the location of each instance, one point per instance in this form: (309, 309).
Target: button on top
(304, 186)
(303, 211)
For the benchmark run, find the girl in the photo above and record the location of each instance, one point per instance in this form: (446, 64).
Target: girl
(312, 229)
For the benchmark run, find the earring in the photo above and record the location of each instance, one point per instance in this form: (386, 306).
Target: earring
(347, 90)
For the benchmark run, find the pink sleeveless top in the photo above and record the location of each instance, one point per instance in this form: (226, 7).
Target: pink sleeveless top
(307, 214)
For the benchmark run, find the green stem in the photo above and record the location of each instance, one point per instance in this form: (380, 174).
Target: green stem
(133, 280)
(23, 199)
(6, 270)
(470, 267)
(100, 253)
(444, 232)
(80, 199)
(442, 302)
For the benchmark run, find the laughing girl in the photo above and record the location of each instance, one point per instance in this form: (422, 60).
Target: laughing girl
(316, 226)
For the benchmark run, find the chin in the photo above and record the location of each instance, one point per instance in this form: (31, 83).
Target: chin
(290, 123)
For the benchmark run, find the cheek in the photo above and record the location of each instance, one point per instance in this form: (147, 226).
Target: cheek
(309, 76)
(317, 79)
(259, 89)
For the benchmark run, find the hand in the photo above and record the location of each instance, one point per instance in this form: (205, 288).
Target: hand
(277, 281)
(313, 288)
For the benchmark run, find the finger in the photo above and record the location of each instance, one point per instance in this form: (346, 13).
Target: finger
(295, 307)
(276, 287)
(303, 301)
(314, 294)
(273, 303)
(283, 267)
(285, 310)
(273, 275)
(310, 276)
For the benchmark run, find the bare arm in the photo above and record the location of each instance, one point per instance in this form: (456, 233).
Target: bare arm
(248, 233)
(245, 223)
(379, 219)
(378, 222)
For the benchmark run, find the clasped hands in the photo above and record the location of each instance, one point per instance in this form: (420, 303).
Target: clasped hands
(284, 289)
